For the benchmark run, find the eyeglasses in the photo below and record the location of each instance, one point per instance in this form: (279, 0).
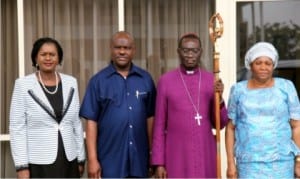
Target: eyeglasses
(188, 50)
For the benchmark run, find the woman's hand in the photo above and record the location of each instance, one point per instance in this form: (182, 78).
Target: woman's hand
(297, 169)
(81, 170)
(23, 174)
(231, 171)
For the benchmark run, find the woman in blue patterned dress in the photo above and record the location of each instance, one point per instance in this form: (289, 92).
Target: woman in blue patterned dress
(263, 135)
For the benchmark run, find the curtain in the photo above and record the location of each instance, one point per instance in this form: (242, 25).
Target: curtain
(8, 72)
(157, 25)
(82, 27)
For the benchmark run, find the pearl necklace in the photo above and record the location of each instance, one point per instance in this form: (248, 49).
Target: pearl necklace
(43, 85)
(197, 117)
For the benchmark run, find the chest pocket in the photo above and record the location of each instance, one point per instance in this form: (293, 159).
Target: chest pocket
(111, 97)
(141, 95)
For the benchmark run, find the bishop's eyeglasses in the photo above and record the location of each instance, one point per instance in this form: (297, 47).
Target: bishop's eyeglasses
(188, 50)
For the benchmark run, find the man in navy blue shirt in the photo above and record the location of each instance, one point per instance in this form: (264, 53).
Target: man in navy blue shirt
(119, 108)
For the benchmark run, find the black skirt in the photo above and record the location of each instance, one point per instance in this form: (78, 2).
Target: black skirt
(61, 168)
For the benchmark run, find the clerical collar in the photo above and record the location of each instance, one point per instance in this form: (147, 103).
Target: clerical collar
(190, 72)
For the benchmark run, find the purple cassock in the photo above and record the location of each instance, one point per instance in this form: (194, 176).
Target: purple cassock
(183, 141)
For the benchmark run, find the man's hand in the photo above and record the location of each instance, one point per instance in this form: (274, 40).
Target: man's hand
(219, 87)
(160, 172)
(94, 169)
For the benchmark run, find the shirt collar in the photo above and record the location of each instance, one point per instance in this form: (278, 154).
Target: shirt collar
(133, 70)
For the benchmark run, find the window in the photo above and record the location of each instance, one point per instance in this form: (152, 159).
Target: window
(274, 22)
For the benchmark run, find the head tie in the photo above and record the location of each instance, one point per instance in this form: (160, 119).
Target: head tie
(261, 49)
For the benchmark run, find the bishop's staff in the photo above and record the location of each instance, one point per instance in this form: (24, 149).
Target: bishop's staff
(215, 32)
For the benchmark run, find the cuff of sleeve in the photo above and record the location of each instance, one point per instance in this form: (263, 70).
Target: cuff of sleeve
(81, 162)
(22, 167)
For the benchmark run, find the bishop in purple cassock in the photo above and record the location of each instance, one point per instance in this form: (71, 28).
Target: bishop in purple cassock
(183, 142)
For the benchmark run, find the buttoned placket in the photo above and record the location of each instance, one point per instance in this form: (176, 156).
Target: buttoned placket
(130, 110)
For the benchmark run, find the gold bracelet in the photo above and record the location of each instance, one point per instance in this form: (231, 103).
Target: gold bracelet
(297, 158)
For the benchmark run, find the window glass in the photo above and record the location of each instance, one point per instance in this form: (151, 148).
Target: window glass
(274, 22)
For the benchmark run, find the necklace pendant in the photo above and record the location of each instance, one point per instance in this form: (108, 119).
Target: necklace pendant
(196, 108)
(198, 118)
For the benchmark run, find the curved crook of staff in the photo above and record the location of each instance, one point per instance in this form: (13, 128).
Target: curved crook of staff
(215, 32)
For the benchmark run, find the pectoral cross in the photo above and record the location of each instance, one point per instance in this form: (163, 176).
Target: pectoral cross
(198, 118)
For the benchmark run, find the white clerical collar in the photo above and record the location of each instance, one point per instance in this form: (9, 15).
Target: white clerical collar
(190, 72)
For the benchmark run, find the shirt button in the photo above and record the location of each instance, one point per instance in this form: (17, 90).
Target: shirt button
(130, 108)
(127, 94)
(130, 143)
(130, 126)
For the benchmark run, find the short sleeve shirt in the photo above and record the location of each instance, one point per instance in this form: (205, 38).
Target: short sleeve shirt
(261, 118)
(121, 106)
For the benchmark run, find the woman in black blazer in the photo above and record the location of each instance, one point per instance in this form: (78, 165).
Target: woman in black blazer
(45, 128)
